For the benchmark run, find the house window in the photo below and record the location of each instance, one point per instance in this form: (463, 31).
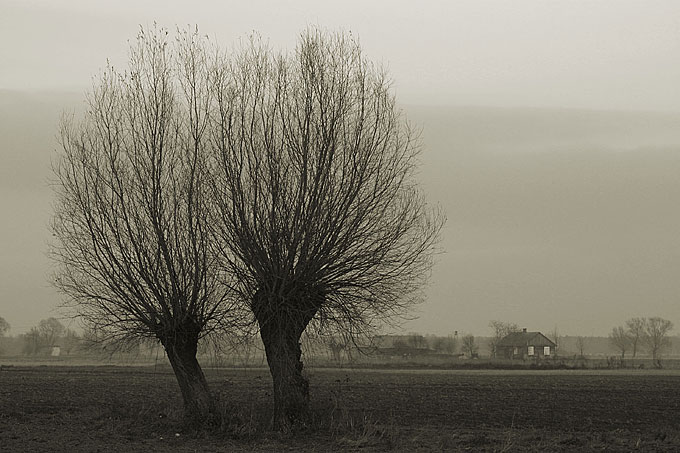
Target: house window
(515, 351)
(546, 350)
(531, 350)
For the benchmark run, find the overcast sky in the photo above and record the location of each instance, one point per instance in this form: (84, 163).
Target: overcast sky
(616, 54)
(556, 218)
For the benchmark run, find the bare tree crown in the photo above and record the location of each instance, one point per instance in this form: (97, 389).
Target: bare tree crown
(319, 206)
(133, 240)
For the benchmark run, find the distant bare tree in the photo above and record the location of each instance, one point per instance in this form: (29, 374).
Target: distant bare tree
(4, 326)
(336, 345)
(556, 338)
(636, 330)
(581, 345)
(32, 341)
(450, 344)
(44, 335)
(400, 343)
(70, 341)
(133, 235)
(50, 330)
(434, 342)
(468, 345)
(416, 341)
(500, 330)
(321, 221)
(442, 344)
(620, 339)
(656, 336)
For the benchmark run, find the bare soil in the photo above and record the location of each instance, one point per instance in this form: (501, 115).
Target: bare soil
(91, 409)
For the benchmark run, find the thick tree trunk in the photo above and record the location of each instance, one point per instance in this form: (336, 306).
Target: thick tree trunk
(282, 322)
(291, 389)
(181, 347)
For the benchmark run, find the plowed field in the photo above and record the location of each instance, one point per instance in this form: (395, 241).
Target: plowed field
(139, 409)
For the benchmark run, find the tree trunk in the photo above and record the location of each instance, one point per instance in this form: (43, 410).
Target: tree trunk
(291, 389)
(282, 322)
(181, 347)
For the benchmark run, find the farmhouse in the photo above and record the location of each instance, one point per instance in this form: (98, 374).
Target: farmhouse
(523, 345)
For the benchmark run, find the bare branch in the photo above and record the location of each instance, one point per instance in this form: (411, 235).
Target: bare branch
(134, 239)
(321, 221)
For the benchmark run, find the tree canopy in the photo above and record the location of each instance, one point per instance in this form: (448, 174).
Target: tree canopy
(133, 236)
(202, 184)
(321, 220)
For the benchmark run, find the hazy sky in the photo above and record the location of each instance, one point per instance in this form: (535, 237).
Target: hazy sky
(562, 218)
(615, 54)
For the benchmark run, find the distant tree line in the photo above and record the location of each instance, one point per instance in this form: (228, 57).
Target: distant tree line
(442, 344)
(40, 339)
(649, 333)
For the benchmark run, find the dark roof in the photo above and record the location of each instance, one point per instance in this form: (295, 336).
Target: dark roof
(526, 339)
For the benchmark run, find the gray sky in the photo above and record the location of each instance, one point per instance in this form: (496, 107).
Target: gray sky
(616, 54)
(556, 217)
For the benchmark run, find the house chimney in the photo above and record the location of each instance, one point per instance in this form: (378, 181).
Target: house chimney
(524, 330)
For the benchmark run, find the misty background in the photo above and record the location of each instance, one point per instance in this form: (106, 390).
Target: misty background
(550, 131)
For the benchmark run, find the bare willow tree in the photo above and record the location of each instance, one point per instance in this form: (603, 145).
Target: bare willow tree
(469, 346)
(321, 218)
(656, 337)
(620, 338)
(134, 243)
(51, 329)
(500, 330)
(636, 330)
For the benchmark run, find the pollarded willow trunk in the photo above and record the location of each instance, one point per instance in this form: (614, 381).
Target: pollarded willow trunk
(281, 331)
(291, 389)
(181, 346)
